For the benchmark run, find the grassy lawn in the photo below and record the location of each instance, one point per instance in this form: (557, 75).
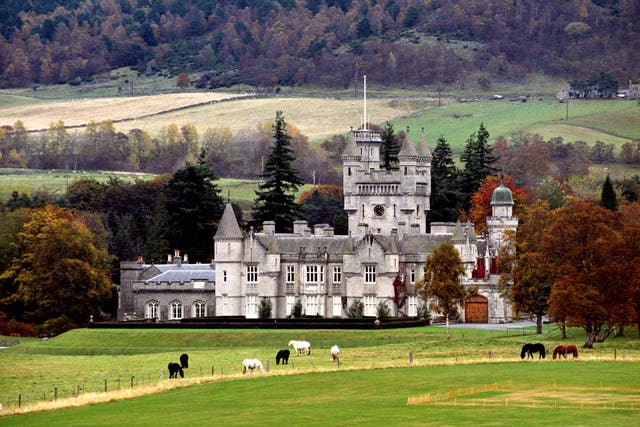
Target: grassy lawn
(379, 371)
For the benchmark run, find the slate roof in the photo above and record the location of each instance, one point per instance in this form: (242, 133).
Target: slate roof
(228, 227)
(407, 149)
(184, 273)
(423, 148)
(291, 244)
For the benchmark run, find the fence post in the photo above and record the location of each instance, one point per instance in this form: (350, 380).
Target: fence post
(410, 358)
(132, 381)
(105, 385)
(267, 365)
(212, 370)
(55, 393)
(19, 400)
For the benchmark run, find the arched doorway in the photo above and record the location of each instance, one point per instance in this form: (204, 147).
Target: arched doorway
(476, 309)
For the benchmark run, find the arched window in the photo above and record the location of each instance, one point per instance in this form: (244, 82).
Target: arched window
(152, 310)
(177, 310)
(199, 309)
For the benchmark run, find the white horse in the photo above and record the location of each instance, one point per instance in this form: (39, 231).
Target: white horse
(335, 353)
(251, 365)
(300, 346)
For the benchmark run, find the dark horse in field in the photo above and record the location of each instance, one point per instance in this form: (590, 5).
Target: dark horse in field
(528, 350)
(177, 368)
(562, 350)
(284, 356)
(184, 361)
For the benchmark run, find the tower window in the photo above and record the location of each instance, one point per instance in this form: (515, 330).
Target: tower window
(349, 171)
(405, 170)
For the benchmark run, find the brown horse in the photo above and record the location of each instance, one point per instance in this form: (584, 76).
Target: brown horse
(562, 350)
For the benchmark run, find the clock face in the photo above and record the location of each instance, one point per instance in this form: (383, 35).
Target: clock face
(378, 210)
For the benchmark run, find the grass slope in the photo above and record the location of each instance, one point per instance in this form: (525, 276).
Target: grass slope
(615, 121)
(91, 360)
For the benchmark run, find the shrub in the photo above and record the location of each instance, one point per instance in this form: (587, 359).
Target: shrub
(382, 310)
(296, 310)
(356, 310)
(264, 311)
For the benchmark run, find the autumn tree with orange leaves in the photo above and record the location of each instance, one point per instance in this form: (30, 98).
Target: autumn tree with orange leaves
(525, 276)
(587, 252)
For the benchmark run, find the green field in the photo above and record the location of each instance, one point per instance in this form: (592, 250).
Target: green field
(615, 121)
(474, 377)
(56, 182)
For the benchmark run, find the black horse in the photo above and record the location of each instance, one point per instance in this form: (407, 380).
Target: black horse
(184, 361)
(528, 349)
(175, 369)
(284, 356)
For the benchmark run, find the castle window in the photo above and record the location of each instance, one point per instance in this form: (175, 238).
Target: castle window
(418, 212)
(152, 310)
(337, 274)
(312, 305)
(369, 305)
(405, 170)
(337, 306)
(412, 306)
(349, 171)
(291, 273)
(251, 306)
(362, 211)
(315, 273)
(177, 310)
(412, 276)
(370, 274)
(252, 274)
(224, 276)
(394, 211)
(199, 309)
(290, 301)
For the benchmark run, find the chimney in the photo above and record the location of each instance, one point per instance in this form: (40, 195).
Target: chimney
(318, 229)
(140, 260)
(299, 226)
(269, 227)
(177, 258)
(328, 231)
(186, 259)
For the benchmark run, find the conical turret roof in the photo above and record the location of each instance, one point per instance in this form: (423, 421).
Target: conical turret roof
(423, 148)
(407, 149)
(228, 227)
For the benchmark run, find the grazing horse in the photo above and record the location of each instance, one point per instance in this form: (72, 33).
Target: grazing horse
(251, 365)
(335, 353)
(300, 346)
(284, 356)
(528, 349)
(562, 350)
(184, 361)
(175, 369)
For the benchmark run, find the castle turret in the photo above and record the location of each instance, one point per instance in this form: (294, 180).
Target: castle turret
(228, 255)
(501, 218)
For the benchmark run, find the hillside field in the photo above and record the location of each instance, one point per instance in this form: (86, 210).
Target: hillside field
(319, 115)
(474, 377)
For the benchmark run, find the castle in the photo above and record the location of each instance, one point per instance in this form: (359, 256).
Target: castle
(378, 262)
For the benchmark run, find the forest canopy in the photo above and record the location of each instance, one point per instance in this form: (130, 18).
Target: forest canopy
(327, 42)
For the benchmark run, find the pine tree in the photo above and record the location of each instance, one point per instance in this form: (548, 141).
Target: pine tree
(390, 147)
(446, 198)
(608, 198)
(275, 199)
(477, 159)
(194, 206)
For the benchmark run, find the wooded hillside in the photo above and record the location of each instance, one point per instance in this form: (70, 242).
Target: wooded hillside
(327, 42)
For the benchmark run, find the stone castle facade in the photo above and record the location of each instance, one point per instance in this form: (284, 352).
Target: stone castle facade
(378, 262)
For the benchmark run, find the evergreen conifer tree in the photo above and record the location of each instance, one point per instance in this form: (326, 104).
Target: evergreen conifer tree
(608, 198)
(477, 161)
(390, 147)
(193, 206)
(446, 197)
(275, 199)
